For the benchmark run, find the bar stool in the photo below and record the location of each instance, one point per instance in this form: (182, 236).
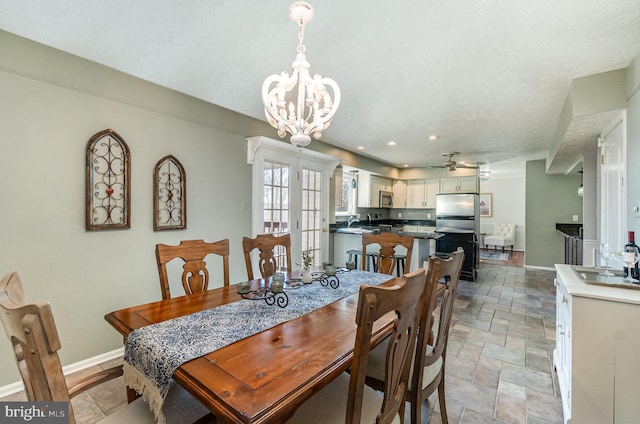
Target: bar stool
(353, 257)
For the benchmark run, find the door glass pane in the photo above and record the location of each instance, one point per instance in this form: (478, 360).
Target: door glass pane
(311, 212)
(276, 203)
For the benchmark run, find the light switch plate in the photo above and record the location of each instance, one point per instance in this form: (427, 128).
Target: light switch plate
(575, 218)
(636, 209)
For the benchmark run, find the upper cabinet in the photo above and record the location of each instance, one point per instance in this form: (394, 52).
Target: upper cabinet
(400, 194)
(369, 187)
(459, 185)
(422, 193)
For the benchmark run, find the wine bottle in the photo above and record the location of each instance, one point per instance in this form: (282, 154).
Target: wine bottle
(635, 272)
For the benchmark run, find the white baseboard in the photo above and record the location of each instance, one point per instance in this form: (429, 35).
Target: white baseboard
(16, 387)
(544, 268)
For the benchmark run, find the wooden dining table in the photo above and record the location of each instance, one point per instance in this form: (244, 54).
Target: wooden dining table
(262, 378)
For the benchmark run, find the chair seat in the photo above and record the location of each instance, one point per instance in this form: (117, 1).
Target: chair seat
(498, 241)
(329, 405)
(179, 407)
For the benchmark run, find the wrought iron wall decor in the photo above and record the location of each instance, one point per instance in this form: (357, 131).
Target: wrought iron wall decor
(108, 203)
(169, 195)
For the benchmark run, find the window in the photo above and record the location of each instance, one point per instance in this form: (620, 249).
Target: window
(347, 206)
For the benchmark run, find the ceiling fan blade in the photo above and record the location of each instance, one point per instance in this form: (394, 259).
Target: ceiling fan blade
(466, 166)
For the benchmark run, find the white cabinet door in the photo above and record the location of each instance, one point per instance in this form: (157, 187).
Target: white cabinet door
(448, 185)
(562, 355)
(374, 192)
(432, 187)
(399, 194)
(468, 185)
(415, 194)
(459, 185)
(364, 189)
(421, 194)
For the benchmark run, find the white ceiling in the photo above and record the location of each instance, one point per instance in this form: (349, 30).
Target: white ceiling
(488, 77)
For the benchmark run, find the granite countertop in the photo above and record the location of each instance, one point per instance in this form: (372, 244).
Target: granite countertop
(569, 230)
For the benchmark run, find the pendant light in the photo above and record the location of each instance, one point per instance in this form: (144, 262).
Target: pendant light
(581, 188)
(300, 104)
(354, 183)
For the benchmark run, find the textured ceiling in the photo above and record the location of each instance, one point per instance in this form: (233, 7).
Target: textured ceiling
(489, 78)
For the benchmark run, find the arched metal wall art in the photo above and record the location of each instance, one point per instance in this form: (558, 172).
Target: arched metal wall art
(108, 197)
(169, 195)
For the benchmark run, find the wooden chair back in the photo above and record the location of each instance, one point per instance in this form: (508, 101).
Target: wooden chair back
(447, 273)
(386, 259)
(405, 297)
(195, 277)
(33, 334)
(270, 247)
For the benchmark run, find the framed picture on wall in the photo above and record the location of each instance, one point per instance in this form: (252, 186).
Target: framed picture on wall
(486, 208)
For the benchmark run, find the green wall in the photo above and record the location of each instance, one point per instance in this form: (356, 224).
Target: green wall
(550, 199)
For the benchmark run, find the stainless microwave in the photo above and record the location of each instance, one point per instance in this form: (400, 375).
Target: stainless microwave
(386, 199)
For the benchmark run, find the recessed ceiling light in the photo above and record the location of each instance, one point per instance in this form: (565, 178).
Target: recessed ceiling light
(433, 137)
(391, 143)
(406, 165)
(360, 147)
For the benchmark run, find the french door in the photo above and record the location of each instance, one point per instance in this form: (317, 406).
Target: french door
(291, 195)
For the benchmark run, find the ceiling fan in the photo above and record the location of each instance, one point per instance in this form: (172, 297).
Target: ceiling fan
(451, 164)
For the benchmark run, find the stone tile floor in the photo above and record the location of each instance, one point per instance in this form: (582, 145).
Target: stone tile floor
(499, 359)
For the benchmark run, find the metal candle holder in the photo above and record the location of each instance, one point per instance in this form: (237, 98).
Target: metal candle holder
(270, 297)
(330, 280)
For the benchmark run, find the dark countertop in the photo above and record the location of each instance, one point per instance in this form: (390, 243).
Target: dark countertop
(395, 223)
(569, 230)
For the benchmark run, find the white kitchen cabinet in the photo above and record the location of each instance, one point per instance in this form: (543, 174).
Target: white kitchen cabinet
(459, 185)
(399, 194)
(369, 187)
(597, 348)
(422, 193)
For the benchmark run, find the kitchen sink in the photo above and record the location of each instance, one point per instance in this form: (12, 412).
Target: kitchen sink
(592, 276)
(358, 230)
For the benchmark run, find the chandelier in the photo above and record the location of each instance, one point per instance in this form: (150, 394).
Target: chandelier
(299, 104)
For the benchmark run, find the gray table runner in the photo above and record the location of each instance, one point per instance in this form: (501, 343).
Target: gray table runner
(154, 352)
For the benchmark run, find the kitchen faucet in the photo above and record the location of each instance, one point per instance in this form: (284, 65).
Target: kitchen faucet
(351, 220)
(369, 217)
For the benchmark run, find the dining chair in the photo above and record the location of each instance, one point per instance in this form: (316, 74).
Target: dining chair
(387, 258)
(273, 250)
(347, 399)
(195, 275)
(32, 331)
(427, 370)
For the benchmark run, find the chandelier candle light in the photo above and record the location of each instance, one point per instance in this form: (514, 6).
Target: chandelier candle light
(310, 109)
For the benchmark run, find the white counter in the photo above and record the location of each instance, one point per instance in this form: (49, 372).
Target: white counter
(597, 348)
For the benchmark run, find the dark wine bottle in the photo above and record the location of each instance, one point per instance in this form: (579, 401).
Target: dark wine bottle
(635, 272)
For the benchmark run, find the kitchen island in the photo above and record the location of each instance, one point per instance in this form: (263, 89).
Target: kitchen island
(351, 239)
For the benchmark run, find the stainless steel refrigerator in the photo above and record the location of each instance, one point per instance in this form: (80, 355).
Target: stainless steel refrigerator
(458, 218)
